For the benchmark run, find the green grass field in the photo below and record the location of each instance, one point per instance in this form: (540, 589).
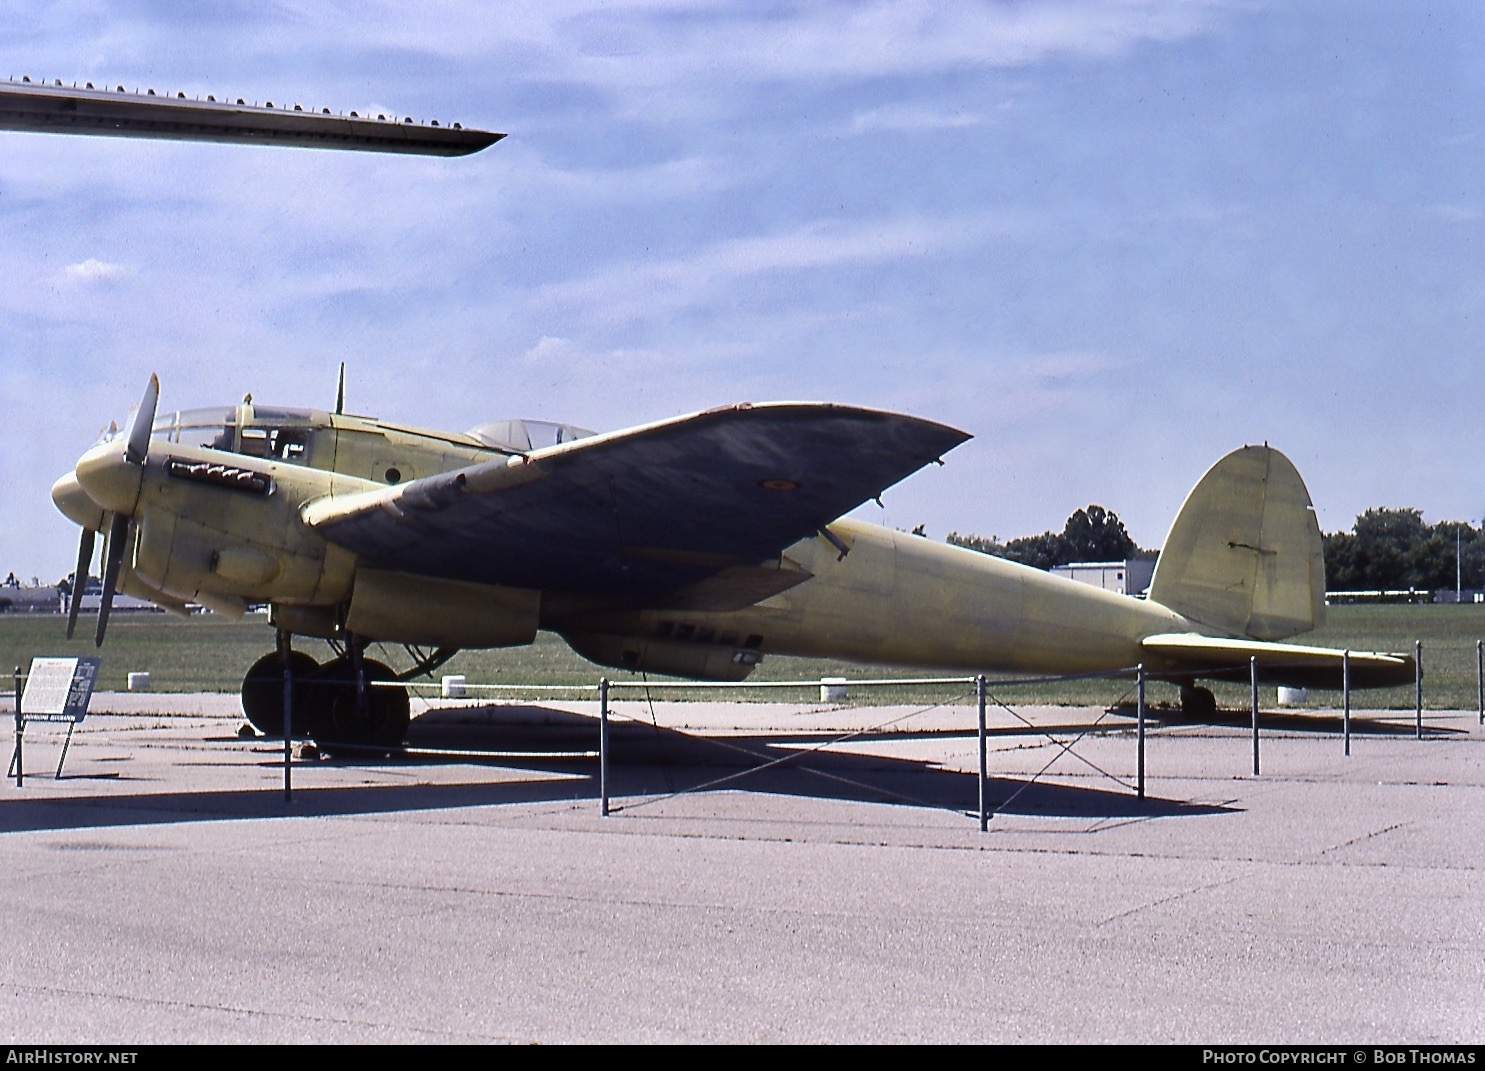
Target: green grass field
(208, 653)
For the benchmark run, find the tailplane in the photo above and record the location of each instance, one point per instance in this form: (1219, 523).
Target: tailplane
(1244, 554)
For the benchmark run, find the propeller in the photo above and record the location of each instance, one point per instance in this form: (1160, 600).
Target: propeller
(113, 559)
(136, 449)
(144, 422)
(79, 578)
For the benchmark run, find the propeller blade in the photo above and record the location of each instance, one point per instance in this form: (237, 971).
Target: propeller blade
(144, 421)
(340, 392)
(79, 579)
(113, 553)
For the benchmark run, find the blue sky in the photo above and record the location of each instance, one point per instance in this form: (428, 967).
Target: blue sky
(1113, 240)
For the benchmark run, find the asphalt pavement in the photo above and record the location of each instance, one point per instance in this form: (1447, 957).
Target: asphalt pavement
(767, 873)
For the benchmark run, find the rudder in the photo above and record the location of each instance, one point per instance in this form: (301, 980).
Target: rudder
(1244, 553)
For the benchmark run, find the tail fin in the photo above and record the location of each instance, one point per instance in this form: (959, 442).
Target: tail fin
(1244, 554)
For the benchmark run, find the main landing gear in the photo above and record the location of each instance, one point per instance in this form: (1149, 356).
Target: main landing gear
(1197, 703)
(351, 699)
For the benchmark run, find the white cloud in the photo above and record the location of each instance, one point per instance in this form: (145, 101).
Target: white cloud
(1457, 213)
(667, 180)
(910, 119)
(629, 290)
(629, 49)
(95, 271)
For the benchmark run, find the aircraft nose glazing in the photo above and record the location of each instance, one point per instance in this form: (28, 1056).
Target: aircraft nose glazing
(109, 478)
(76, 504)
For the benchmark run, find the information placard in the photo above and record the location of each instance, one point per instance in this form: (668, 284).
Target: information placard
(59, 688)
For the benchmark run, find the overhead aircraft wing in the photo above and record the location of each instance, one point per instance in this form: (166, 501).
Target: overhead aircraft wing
(58, 109)
(1278, 663)
(641, 512)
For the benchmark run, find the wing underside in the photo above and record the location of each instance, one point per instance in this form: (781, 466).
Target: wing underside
(55, 109)
(644, 512)
(1188, 654)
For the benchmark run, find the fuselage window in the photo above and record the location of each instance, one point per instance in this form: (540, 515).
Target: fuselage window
(212, 428)
(286, 444)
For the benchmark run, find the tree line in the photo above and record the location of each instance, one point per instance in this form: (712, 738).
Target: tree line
(1093, 534)
(1385, 550)
(1393, 550)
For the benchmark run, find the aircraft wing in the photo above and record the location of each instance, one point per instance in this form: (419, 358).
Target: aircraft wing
(641, 512)
(55, 109)
(1278, 663)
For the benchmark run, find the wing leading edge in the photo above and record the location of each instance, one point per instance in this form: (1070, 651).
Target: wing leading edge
(641, 512)
(1278, 663)
(57, 109)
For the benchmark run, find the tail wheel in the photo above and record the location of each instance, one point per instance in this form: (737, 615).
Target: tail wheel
(263, 693)
(378, 718)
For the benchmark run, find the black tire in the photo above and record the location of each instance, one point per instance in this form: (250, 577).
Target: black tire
(339, 719)
(263, 693)
(1197, 703)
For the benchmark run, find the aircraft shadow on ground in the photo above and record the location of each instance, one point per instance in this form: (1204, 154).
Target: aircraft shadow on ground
(645, 761)
(1329, 723)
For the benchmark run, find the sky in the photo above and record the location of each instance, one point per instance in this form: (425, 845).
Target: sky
(1112, 239)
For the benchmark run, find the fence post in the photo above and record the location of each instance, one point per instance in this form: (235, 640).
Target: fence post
(603, 745)
(285, 657)
(1253, 676)
(1480, 677)
(1139, 674)
(1418, 688)
(1346, 698)
(984, 771)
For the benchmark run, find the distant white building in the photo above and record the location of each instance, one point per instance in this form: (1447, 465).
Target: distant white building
(1129, 577)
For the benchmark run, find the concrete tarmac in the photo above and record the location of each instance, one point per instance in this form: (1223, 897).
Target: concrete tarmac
(470, 891)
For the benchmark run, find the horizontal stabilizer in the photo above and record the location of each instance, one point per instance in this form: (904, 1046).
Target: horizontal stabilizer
(1278, 663)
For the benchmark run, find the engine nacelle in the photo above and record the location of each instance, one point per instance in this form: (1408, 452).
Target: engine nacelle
(185, 559)
(677, 658)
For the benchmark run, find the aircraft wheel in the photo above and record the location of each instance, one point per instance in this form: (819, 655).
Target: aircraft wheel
(381, 721)
(263, 692)
(1197, 703)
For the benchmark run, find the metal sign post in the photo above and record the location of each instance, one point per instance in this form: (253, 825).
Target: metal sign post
(20, 730)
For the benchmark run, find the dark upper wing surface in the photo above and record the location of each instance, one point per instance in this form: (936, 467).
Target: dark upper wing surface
(643, 511)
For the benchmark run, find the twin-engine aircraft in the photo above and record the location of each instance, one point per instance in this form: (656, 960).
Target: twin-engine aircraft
(693, 547)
